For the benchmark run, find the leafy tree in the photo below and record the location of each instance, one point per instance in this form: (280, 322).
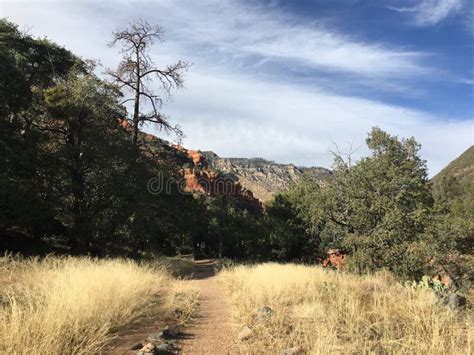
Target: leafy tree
(225, 228)
(40, 61)
(80, 115)
(289, 236)
(451, 232)
(135, 71)
(70, 176)
(377, 209)
(26, 67)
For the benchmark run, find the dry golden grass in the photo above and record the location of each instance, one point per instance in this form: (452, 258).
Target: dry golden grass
(74, 305)
(323, 312)
(182, 300)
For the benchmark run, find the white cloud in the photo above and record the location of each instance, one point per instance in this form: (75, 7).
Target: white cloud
(467, 81)
(431, 12)
(223, 32)
(229, 106)
(242, 116)
(237, 30)
(469, 18)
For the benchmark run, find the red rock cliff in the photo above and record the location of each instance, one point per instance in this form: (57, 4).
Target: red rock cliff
(212, 182)
(195, 171)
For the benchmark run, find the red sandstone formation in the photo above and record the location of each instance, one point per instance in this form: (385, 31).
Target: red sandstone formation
(449, 273)
(125, 124)
(444, 279)
(192, 181)
(212, 182)
(336, 258)
(199, 178)
(197, 157)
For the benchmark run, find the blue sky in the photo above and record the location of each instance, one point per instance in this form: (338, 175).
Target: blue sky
(283, 80)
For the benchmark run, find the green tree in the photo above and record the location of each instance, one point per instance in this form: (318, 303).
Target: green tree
(289, 235)
(71, 177)
(80, 116)
(376, 210)
(26, 67)
(451, 232)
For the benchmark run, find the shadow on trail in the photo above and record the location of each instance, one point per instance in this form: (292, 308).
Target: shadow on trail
(203, 269)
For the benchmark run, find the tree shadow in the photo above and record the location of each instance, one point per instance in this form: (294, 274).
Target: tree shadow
(203, 269)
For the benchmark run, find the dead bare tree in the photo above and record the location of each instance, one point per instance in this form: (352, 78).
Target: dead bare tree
(344, 159)
(136, 71)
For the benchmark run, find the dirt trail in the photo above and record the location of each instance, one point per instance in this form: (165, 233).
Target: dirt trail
(211, 331)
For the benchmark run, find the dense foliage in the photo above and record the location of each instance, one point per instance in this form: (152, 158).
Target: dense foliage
(73, 179)
(381, 212)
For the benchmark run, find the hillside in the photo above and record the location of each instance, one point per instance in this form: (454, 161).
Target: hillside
(263, 177)
(259, 178)
(462, 168)
(198, 175)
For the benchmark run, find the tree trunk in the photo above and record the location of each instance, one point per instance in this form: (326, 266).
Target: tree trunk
(221, 245)
(80, 236)
(136, 111)
(221, 237)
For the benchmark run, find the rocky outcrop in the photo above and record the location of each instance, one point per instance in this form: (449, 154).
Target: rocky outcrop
(263, 177)
(250, 181)
(200, 178)
(451, 300)
(335, 258)
(197, 157)
(197, 176)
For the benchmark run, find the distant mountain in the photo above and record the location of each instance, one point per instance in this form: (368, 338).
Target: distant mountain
(263, 177)
(256, 180)
(194, 174)
(462, 168)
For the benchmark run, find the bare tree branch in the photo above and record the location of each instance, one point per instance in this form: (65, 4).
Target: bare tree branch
(137, 69)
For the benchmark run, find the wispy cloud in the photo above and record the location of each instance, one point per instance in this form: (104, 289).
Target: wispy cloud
(430, 12)
(466, 81)
(240, 30)
(239, 115)
(469, 18)
(258, 84)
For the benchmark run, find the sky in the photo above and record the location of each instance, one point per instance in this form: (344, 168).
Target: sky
(289, 80)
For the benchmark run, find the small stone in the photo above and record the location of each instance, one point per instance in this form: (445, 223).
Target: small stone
(170, 331)
(148, 349)
(245, 333)
(292, 351)
(136, 346)
(165, 349)
(265, 311)
(173, 330)
(177, 313)
(454, 301)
